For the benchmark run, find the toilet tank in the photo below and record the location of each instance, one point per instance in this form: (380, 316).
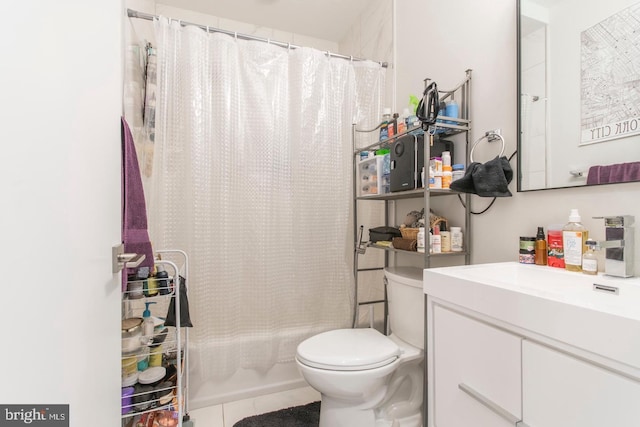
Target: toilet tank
(406, 304)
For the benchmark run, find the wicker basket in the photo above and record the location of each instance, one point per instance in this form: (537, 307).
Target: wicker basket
(409, 233)
(437, 220)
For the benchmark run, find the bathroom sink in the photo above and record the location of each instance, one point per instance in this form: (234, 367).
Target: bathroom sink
(557, 304)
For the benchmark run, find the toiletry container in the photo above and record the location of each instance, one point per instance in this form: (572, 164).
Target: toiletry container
(392, 127)
(446, 158)
(370, 172)
(456, 239)
(436, 241)
(541, 247)
(147, 322)
(457, 171)
(574, 236)
(445, 239)
(555, 252)
(590, 259)
(131, 334)
(447, 176)
(527, 252)
(162, 279)
(401, 126)
(421, 240)
(384, 125)
(451, 110)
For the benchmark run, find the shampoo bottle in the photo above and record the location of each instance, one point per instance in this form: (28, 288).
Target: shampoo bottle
(574, 236)
(147, 323)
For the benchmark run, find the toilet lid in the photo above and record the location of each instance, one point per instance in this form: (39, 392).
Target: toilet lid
(348, 350)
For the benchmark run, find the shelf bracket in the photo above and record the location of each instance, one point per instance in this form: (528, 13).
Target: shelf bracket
(121, 260)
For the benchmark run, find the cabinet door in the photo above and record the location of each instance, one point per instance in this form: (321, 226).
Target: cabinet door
(560, 390)
(477, 372)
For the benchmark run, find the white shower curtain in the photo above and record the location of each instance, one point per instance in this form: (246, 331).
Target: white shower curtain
(252, 177)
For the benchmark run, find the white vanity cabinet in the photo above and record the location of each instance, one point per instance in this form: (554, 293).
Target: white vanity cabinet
(519, 345)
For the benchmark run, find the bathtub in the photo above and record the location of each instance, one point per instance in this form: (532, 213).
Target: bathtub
(243, 384)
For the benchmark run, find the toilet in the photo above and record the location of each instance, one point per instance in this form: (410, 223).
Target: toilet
(367, 379)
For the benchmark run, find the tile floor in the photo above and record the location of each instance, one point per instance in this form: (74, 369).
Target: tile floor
(227, 414)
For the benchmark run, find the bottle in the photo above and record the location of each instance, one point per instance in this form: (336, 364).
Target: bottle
(589, 259)
(446, 158)
(574, 236)
(162, 277)
(437, 240)
(392, 127)
(403, 121)
(420, 239)
(447, 176)
(147, 323)
(456, 239)
(451, 110)
(541, 247)
(401, 126)
(412, 119)
(384, 125)
(445, 239)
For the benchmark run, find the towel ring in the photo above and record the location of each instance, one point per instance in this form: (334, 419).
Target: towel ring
(489, 136)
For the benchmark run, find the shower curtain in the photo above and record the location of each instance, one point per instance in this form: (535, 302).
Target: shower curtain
(252, 177)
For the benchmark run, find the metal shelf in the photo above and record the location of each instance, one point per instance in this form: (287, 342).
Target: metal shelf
(410, 194)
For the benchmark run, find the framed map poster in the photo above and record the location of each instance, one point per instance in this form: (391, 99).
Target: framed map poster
(610, 78)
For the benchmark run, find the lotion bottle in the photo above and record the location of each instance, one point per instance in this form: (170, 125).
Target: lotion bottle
(574, 236)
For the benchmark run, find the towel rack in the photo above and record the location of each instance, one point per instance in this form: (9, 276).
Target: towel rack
(490, 136)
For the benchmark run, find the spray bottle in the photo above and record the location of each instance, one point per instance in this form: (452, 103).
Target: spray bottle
(147, 322)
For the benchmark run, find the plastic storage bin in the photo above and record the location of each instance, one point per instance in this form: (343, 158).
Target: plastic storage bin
(370, 176)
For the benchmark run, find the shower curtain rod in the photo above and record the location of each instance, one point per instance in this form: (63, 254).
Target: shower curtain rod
(149, 17)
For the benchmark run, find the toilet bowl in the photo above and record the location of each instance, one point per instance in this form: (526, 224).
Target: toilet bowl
(367, 379)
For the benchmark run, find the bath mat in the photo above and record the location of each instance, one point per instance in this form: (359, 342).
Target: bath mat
(297, 416)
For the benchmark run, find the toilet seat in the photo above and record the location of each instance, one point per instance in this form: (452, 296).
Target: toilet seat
(348, 350)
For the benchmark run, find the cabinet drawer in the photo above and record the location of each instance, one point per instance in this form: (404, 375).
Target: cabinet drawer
(562, 391)
(476, 366)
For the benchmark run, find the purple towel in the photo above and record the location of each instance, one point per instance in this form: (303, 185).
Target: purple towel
(134, 211)
(621, 172)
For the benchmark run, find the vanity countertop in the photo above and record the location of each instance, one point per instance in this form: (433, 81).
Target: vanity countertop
(553, 303)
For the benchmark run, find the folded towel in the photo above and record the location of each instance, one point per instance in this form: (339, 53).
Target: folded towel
(490, 179)
(620, 172)
(134, 215)
(405, 244)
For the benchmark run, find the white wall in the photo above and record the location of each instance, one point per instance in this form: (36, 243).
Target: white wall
(482, 36)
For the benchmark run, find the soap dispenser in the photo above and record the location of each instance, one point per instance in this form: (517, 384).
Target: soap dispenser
(147, 323)
(574, 236)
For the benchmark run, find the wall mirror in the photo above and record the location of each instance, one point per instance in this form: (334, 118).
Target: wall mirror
(579, 93)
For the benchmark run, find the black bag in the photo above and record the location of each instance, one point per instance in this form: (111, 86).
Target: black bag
(185, 318)
(383, 233)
